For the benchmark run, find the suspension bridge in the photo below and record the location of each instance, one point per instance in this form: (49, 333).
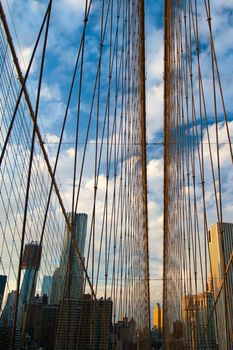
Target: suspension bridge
(74, 243)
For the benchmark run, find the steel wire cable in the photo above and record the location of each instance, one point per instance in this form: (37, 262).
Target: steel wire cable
(9, 173)
(187, 211)
(120, 257)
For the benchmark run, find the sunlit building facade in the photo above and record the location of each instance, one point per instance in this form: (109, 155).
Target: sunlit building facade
(221, 247)
(196, 313)
(158, 319)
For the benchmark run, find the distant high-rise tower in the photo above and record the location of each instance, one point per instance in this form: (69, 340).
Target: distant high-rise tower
(70, 265)
(8, 311)
(31, 264)
(47, 286)
(2, 288)
(158, 319)
(196, 311)
(221, 247)
(80, 230)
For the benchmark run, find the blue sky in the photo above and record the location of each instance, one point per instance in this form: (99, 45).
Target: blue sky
(66, 26)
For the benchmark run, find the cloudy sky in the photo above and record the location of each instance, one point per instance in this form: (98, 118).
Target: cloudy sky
(66, 25)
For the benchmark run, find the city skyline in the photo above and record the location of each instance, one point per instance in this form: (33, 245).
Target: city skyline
(121, 111)
(58, 307)
(154, 104)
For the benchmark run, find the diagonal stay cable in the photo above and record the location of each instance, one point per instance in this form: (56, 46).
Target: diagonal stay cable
(29, 177)
(23, 80)
(41, 143)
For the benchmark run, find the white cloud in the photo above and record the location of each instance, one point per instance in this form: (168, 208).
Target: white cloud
(24, 56)
(67, 18)
(68, 14)
(154, 82)
(154, 50)
(154, 110)
(51, 92)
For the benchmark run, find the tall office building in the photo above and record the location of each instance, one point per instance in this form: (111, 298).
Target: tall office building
(124, 334)
(49, 324)
(196, 311)
(47, 286)
(58, 285)
(30, 265)
(70, 265)
(80, 230)
(3, 279)
(221, 247)
(102, 324)
(6, 324)
(6, 336)
(176, 337)
(7, 316)
(85, 323)
(158, 319)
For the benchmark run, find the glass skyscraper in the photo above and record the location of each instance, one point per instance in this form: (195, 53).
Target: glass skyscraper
(8, 311)
(2, 288)
(70, 265)
(47, 286)
(31, 264)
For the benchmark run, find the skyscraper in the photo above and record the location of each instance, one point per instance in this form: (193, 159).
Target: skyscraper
(85, 324)
(221, 247)
(80, 230)
(2, 288)
(49, 323)
(46, 286)
(34, 322)
(196, 311)
(31, 264)
(8, 311)
(158, 319)
(57, 285)
(124, 334)
(6, 324)
(6, 336)
(70, 265)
